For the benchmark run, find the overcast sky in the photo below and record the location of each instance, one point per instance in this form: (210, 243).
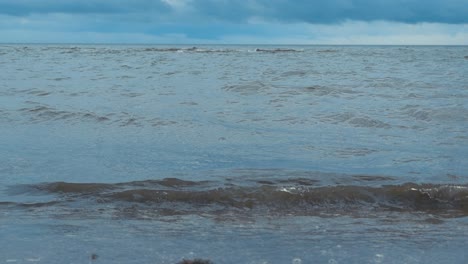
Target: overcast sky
(235, 21)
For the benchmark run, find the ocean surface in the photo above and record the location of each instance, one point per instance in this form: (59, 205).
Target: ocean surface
(236, 154)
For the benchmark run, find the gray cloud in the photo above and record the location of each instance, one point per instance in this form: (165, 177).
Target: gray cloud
(333, 11)
(27, 7)
(308, 11)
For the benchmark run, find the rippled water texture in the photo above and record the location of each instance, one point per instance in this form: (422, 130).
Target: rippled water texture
(238, 154)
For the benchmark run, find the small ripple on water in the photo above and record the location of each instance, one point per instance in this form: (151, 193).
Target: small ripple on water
(355, 121)
(247, 88)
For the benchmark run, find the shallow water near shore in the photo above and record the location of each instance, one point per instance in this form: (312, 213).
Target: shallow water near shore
(237, 154)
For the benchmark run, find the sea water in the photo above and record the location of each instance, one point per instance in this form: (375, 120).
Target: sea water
(236, 154)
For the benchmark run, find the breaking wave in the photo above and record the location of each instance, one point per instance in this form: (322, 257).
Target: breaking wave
(296, 196)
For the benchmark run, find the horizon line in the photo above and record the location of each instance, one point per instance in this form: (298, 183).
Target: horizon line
(222, 44)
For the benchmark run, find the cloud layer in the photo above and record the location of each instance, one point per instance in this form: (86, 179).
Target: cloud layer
(235, 21)
(310, 11)
(333, 11)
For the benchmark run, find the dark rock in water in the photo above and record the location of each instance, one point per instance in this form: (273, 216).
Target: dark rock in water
(466, 57)
(196, 261)
(94, 256)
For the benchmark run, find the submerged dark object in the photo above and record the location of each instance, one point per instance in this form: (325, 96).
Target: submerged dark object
(196, 261)
(297, 196)
(276, 50)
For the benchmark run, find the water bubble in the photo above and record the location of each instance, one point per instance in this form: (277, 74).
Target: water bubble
(378, 258)
(33, 259)
(297, 261)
